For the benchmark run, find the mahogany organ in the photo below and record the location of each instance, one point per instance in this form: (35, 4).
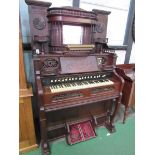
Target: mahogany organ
(73, 81)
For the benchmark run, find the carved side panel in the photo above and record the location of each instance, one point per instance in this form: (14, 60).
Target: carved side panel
(38, 24)
(50, 66)
(100, 30)
(47, 65)
(37, 17)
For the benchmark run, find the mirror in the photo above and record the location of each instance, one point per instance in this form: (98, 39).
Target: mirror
(72, 34)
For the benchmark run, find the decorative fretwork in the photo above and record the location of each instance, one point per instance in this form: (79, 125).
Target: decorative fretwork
(108, 50)
(50, 65)
(66, 96)
(98, 90)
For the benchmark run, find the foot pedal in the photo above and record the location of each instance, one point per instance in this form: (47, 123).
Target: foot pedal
(80, 132)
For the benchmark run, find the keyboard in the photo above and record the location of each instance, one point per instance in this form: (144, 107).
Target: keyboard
(79, 85)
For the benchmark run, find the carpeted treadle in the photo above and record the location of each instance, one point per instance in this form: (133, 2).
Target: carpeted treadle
(80, 132)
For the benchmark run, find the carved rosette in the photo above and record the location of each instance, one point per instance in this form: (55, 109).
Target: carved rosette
(102, 61)
(39, 23)
(99, 27)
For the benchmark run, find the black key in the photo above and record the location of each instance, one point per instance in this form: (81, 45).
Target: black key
(73, 84)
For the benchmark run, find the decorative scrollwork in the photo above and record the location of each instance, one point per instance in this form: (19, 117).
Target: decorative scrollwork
(39, 23)
(50, 65)
(66, 96)
(104, 89)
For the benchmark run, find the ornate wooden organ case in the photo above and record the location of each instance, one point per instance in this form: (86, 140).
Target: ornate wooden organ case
(73, 78)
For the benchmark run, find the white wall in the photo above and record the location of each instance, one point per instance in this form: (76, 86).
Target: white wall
(132, 57)
(116, 20)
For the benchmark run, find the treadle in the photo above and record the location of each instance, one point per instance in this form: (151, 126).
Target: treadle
(80, 132)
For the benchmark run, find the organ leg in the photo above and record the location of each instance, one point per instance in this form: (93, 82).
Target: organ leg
(125, 114)
(109, 125)
(44, 143)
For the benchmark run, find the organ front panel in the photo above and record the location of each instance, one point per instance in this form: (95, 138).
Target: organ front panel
(74, 82)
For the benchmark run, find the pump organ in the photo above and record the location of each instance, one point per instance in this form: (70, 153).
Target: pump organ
(72, 77)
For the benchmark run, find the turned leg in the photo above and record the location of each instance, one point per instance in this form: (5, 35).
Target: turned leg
(44, 143)
(107, 124)
(110, 125)
(117, 106)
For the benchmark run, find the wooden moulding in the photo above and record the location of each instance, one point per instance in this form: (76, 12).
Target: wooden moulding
(25, 92)
(69, 20)
(38, 3)
(76, 47)
(26, 149)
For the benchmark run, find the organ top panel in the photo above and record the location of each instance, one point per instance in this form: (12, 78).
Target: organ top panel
(52, 27)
